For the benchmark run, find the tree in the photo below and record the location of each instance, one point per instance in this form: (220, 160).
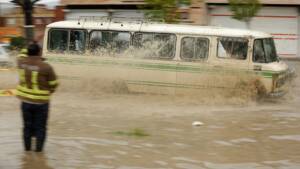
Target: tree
(17, 43)
(244, 10)
(27, 6)
(165, 10)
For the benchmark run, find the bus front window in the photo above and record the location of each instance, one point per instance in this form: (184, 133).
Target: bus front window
(264, 51)
(58, 40)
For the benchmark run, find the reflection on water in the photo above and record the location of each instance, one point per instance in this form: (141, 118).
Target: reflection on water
(34, 160)
(82, 127)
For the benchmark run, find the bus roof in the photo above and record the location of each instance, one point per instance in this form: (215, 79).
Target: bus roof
(159, 27)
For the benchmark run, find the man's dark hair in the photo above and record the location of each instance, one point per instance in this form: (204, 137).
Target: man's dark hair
(33, 49)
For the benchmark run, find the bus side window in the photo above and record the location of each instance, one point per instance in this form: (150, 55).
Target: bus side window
(193, 48)
(167, 42)
(99, 42)
(137, 40)
(95, 40)
(154, 45)
(120, 41)
(58, 41)
(187, 48)
(77, 41)
(232, 48)
(109, 42)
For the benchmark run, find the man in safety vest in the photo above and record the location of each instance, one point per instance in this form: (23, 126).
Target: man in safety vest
(37, 81)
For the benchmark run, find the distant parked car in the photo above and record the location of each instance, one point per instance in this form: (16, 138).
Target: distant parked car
(4, 56)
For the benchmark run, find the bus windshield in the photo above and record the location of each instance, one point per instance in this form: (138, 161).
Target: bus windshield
(264, 51)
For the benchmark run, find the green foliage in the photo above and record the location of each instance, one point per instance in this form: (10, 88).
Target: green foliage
(165, 10)
(135, 132)
(244, 10)
(17, 43)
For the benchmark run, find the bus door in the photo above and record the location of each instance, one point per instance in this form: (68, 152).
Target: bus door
(231, 62)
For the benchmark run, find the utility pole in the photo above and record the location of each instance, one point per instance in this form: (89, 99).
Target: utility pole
(27, 6)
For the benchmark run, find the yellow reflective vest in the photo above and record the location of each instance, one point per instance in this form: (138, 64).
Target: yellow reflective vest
(37, 80)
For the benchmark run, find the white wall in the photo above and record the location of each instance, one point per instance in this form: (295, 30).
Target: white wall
(281, 22)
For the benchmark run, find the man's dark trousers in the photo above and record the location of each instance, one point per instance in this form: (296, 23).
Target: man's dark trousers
(35, 124)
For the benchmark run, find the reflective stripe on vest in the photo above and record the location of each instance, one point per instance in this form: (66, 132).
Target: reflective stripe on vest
(22, 76)
(22, 55)
(34, 80)
(32, 91)
(30, 96)
(53, 83)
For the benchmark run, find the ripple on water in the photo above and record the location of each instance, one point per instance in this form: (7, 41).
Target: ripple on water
(98, 166)
(211, 165)
(185, 159)
(120, 152)
(132, 167)
(286, 137)
(106, 157)
(161, 163)
(181, 145)
(286, 114)
(283, 164)
(223, 143)
(188, 166)
(243, 140)
(88, 140)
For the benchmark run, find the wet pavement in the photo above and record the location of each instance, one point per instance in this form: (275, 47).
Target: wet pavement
(92, 131)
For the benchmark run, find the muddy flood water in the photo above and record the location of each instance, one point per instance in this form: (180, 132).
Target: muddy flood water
(109, 130)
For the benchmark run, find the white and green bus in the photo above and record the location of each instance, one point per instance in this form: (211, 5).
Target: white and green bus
(164, 58)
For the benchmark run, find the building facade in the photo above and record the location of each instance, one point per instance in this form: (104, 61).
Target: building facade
(42, 16)
(73, 9)
(280, 18)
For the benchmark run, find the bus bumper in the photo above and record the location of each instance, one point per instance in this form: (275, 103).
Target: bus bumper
(283, 84)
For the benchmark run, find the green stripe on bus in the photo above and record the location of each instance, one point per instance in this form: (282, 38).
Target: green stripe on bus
(153, 66)
(176, 85)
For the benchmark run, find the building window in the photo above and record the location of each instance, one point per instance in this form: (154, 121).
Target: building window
(48, 21)
(10, 21)
(184, 15)
(38, 21)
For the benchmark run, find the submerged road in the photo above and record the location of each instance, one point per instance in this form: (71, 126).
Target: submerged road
(102, 130)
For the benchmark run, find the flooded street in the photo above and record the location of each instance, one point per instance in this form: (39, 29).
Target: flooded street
(90, 130)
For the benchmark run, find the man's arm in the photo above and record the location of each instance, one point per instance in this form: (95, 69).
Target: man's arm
(52, 80)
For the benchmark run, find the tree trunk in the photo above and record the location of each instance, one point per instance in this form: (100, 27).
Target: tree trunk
(248, 23)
